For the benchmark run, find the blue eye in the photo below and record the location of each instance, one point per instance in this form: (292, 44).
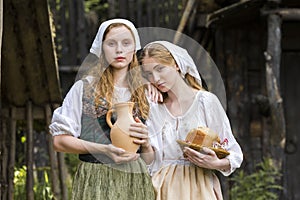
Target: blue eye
(110, 43)
(147, 75)
(126, 42)
(160, 68)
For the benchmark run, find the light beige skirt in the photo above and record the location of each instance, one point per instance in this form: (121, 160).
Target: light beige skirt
(186, 182)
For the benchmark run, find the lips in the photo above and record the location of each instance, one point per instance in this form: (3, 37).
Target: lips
(160, 84)
(120, 58)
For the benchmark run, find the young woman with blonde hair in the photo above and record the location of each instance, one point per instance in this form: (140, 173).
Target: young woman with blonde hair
(176, 173)
(79, 125)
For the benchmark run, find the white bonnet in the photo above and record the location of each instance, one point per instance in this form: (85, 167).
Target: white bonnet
(182, 58)
(97, 44)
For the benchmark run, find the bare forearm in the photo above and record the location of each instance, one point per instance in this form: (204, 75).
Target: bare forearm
(148, 154)
(224, 165)
(70, 144)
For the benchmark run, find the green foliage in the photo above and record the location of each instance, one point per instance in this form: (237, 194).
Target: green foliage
(72, 162)
(259, 185)
(20, 182)
(99, 6)
(42, 189)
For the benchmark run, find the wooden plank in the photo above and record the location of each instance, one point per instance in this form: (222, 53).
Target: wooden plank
(48, 57)
(1, 33)
(123, 8)
(290, 92)
(149, 13)
(72, 34)
(62, 32)
(52, 156)
(29, 153)
(4, 160)
(11, 59)
(37, 112)
(81, 32)
(111, 8)
(157, 13)
(12, 152)
(29, 65)
(131, 8)
(139, 7)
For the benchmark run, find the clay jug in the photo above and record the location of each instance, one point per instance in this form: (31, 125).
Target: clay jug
(119, 132)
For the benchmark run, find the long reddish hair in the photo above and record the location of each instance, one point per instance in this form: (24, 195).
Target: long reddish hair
(105, 85)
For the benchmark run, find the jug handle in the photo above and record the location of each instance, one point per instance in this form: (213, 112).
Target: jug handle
(108, 117)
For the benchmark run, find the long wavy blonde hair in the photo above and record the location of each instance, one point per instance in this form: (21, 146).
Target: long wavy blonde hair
(105, 85)
(163, 56)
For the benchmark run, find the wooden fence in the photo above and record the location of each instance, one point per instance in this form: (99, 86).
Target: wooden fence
(76, 29)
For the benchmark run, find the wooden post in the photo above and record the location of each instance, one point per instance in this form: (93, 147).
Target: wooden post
(81, 32)
(1, 32)
(4, 161)
(183, 20)
(2, 141)
(72, 34)
(12, 152)
(62, 175)
(52, 156)
(112, 8)
(272, 56)
(29, 152)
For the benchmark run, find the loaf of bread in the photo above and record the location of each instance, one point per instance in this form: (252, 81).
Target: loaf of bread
(202, 136)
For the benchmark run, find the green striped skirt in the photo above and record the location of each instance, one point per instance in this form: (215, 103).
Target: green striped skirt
(129, 181)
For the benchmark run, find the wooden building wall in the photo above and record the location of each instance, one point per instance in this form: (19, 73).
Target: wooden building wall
(290, 88)
(239, 53)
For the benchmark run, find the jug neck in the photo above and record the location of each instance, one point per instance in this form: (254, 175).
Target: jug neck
(124, 108)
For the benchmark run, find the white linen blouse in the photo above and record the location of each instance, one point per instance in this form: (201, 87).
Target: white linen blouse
(67, 118)
(164, 129)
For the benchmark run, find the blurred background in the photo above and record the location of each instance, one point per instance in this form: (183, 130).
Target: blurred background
(254, 44)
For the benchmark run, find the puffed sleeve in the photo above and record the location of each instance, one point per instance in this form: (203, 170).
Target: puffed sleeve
(218, 121)
(155, 137)
(67, 118)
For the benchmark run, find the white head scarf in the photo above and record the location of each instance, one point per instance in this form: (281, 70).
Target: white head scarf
(97, 44)
(182, 58)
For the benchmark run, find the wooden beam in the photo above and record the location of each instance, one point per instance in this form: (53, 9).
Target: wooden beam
(287, 14)
(38, 112)
(183, 20)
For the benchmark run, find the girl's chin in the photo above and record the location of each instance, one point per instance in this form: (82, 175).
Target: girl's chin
(163, 89)
(119, 65)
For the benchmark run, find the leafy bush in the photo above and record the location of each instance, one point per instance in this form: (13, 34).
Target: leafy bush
(259, 185)
(20, 182)
(42, 189)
